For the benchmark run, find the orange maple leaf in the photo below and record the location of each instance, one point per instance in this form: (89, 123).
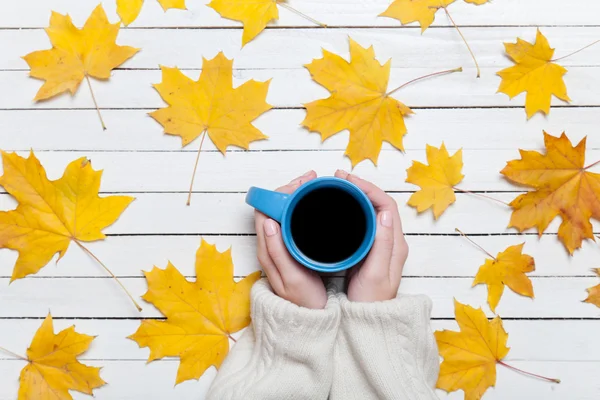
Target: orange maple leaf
(562, 187)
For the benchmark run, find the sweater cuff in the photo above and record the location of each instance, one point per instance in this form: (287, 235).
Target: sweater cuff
(273, 316)
(402, 324)
(412, 310)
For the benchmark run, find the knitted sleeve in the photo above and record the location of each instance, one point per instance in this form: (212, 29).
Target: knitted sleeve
(287, 352)
(385, 350)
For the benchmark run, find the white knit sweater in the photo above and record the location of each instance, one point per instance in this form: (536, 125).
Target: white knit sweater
(363, 351)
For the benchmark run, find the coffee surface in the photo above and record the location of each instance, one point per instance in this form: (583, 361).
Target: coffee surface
(328, 225)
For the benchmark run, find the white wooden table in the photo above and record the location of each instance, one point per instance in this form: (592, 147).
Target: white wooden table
(555, 335)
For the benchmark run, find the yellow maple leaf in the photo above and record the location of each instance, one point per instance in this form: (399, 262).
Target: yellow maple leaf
(470, 356)
(201, 315)
(437, 180)
(77, 53)
(51, 214)
(594, 292)
(129, 10)
(53, 368)
(211, 104)
(508, 268)
(359, 102)
(255, 15)
(562, 187)
(421, 11)
(534, 73)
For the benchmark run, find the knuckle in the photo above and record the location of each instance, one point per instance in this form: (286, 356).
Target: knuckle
(392, 201)
(404, 247)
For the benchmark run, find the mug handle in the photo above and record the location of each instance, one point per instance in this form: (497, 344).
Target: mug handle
(267, 202)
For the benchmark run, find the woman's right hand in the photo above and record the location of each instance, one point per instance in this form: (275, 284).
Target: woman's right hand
(378, 278)
(287, 277)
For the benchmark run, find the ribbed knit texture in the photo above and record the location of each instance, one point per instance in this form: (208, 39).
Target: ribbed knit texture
(286, 354)
(348, 351)
(385, 350)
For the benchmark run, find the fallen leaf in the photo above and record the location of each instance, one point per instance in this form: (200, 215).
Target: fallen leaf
(508, 268)
(51, 214)
(470, 356)
(77, 53)
(211, 104)
(562, 187)
(129, 10)
(594, 292)
(53, 368)
(359, 102)
(201, 315)
(534, 73)
(421, 11)
(437, 180)
(255, 15)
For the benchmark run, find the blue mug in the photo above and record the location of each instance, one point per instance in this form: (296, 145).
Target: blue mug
(281, 208)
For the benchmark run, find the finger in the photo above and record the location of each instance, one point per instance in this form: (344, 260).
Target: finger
(380, 199)
(296, 183)
(377, 264)
(287, 267)
(262, 254)
(340, 173)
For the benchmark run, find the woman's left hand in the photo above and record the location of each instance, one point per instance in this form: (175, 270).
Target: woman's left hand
(378, 278)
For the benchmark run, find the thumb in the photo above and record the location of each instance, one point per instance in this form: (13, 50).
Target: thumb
(377, 264)
(282, 259)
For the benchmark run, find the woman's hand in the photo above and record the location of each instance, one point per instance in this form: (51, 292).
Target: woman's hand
(378, 278)
(287, 277)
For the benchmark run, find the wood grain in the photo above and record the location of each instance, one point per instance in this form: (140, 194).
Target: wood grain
(35, 13)
(553, 335)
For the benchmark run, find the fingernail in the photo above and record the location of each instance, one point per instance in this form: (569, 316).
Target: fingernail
(386, 219)
(307, 174)
(270, 227)
(343, 173)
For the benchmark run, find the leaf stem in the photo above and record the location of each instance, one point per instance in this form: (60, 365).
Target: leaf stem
(475, 244)
(464, 40)
(592, 165)
(14, 354)
(449, 71)
(287, 6)
(528, 373)
(575, 52)
(87, 78)
(481, 195)
(189, 199)
(232, 338)
(110, 272)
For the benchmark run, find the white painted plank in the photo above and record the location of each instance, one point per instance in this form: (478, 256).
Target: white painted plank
(569, 340)
(577, 382)
(482, 128)
(292, 48)
(293, 87)
(93, 297)
(238, 170)
(127, 380)
(130, 255)
(225, 213)
(35, 13)
(133, 380)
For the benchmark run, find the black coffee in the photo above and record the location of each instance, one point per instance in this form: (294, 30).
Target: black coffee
(328, 225)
